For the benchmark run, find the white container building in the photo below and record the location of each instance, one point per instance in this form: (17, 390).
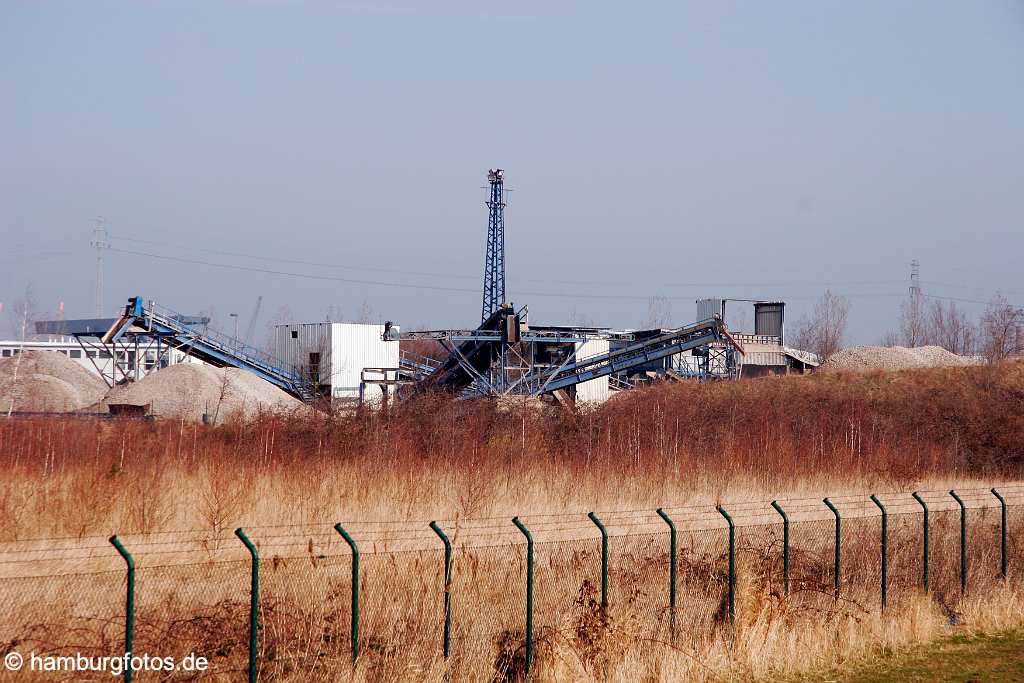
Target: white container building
(334, 355)
(99, 360)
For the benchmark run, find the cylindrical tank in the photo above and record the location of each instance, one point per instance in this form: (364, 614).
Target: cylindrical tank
(770, 319)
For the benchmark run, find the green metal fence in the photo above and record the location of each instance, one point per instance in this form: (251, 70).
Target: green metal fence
(435, 600)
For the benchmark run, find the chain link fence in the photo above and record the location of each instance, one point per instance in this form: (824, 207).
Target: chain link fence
(483, 598)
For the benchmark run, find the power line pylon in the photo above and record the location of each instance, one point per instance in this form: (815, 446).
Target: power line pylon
(99, 241)
(494, 263)
(915, 280)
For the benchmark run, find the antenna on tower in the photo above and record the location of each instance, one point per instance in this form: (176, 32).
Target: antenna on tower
(99, 241)
(494, 262)
(915, 280)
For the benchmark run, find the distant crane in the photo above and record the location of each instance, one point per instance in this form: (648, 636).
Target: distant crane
(494, 263)
(252, 321)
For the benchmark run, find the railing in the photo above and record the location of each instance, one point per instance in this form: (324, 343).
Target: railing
(766, 339)
(618, 384)
(227, 345)
(219, 340)
(412, 594)
(418, 362)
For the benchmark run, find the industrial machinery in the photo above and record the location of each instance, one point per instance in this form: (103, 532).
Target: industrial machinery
(505, 355)
(170, 329)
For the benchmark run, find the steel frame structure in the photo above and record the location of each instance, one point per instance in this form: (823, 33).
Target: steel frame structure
(146, 318)
(125, 355)
(494, 261)
(494, 366)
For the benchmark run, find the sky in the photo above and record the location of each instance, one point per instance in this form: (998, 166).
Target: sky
(331, 157)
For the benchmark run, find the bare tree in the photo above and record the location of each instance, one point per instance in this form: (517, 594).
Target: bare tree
(334, 313)
(282, 316)
(659, 313)
(890, 338)
(23, 314)
(950, 328)
(914, 322)
(225, 391)
(739, 319)
(823, 329)
(579, 319)
(214, 323)
(365, 314)
(1002, 329)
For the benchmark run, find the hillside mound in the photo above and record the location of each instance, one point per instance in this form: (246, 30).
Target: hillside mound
(894, 358)
(190, 390)
(47, 381)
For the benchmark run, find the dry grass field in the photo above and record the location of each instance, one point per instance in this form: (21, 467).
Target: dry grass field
(175, 491)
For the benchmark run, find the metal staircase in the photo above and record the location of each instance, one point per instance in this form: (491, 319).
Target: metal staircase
(219, 350)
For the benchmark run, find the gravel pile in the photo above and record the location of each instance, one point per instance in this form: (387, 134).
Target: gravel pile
(189, 390)
(894, 358)
(47, 381)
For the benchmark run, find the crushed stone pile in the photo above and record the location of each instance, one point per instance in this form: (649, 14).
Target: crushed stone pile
(47, 381)
(188, 390)
(894, 358)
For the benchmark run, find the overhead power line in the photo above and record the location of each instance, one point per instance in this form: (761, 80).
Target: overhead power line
(422, 286)
(972, 287)
(700, 287)
(953, 298)
(403, 271)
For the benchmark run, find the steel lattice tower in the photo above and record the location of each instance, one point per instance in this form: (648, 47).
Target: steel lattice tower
(494, 264)
(99, 241)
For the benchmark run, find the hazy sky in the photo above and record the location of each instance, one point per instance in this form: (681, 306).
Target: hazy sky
(762, 149)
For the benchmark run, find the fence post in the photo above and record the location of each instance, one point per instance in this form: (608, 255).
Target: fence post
(355, 589)
(839, 545)
(604, 559)
(924, 506)
(885, 549)
(254, 601)
(732, 563)
(671, 571)
(963, 541)
(785, 545)
(129, 605)
(529, 592)
(1002, 533)
(447, 588)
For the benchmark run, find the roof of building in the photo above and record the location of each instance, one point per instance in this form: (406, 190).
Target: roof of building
(81, 326)
(805, 357)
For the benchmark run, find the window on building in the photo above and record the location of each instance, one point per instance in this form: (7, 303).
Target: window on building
(104, 354)
(295, 334)
(6, 353)
(91, 354)
(75, 353)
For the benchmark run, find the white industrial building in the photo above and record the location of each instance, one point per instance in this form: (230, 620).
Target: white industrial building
(334, 355)
(98, 359)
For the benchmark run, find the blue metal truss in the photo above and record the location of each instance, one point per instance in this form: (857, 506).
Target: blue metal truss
(207, 345)
(494, 263)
